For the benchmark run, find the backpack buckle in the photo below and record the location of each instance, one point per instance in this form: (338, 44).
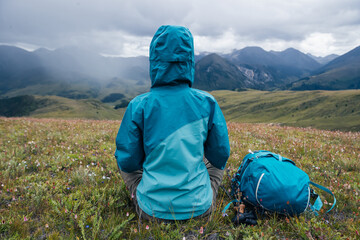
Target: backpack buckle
(313, 194)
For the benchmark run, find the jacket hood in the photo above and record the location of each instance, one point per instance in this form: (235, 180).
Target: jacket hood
(172, 56)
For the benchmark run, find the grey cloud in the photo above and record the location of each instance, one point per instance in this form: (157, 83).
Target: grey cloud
(109, 25)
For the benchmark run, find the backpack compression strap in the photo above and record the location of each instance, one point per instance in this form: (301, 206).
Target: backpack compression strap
(318, 203)
(228, 205)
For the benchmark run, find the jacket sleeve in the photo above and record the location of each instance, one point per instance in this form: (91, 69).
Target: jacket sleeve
(217, 148)
(129, 151)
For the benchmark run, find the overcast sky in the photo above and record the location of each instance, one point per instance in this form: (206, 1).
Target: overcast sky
(125, 27)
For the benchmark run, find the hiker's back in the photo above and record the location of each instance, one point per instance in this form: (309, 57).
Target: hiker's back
(176, 121)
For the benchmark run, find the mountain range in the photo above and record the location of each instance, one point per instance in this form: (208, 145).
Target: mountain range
(79, 74)
(71, 73)
(271, 70)
(341, 73)
(262, 70)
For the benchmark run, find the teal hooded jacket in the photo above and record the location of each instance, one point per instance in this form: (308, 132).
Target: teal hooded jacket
(167, 131)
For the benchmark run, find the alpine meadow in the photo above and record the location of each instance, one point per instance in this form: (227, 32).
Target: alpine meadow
(59, 180)
(199, 88)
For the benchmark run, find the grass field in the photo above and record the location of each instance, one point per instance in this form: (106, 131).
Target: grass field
(59, 180)
(332, 110)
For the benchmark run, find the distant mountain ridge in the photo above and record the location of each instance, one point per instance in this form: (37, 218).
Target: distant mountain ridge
(70, 72)
(323, 60)
(263, 70)
(81, 74)
(215, 72)
(339, 74)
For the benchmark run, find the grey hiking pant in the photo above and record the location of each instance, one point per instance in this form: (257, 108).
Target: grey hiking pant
(132, 180)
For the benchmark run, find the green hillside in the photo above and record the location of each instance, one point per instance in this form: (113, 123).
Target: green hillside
(58, 107)
(320, 109)
(334, 110)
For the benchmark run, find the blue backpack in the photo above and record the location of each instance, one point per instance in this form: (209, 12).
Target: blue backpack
(273, 183)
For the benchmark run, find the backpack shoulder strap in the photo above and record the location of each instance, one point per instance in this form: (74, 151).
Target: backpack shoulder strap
(318, 203)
